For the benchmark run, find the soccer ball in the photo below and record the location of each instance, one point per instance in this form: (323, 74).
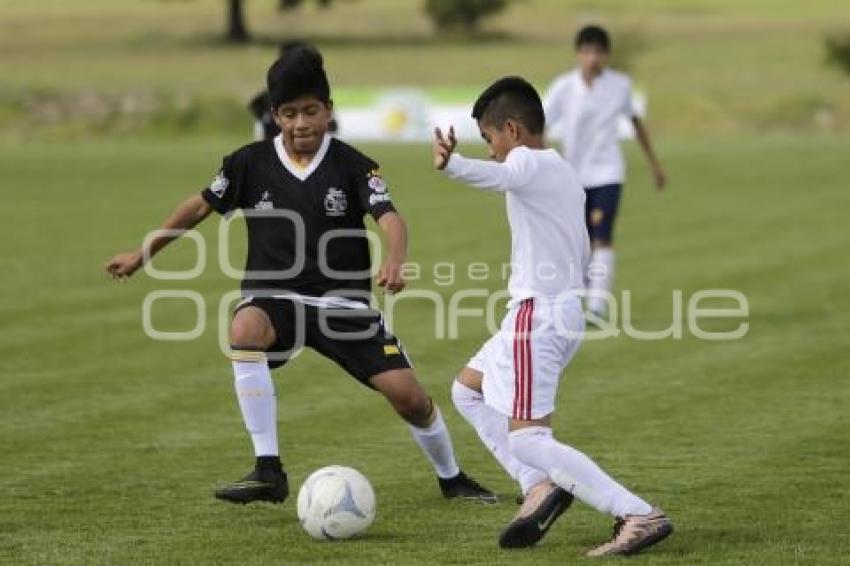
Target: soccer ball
(336, 502)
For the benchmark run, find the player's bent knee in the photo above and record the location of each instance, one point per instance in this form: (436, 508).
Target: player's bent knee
(466, 394)
(515, 449)
(522, 447)
(471, 378)
(405, 394)
(519, 448)
(415, 407)
(251, 328)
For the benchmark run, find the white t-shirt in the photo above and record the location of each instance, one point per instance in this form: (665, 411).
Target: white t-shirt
(586, 117)
(545, 203)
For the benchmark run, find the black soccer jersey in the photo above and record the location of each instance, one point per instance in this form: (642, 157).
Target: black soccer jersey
(305, 226)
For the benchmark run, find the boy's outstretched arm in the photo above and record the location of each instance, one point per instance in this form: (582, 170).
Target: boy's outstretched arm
(643, 138)
(395, 234)
(192, 211)
(484, 175)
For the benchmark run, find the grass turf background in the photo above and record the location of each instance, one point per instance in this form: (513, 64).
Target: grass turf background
(111, 442)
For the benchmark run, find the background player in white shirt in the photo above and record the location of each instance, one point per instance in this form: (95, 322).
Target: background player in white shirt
(584, 106)
(507, 390)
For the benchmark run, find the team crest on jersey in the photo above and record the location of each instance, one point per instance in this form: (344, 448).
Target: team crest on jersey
(378, 187)
(377, 184)
(264, 203)
(219, 184)
(335, 202)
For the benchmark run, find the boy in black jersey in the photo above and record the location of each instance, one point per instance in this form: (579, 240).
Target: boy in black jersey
(308, 273)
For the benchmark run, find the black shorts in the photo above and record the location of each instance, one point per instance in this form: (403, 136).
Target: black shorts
(600, 210)
(356, 339)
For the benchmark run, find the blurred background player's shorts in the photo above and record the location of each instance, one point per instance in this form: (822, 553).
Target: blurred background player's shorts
(600, 210)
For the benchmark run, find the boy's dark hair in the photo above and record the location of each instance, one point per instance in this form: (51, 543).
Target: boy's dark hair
(298, 72)
(593, 35)
(295, 44)
(514, 98)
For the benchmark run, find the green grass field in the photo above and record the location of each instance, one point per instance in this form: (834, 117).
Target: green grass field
(112, 443)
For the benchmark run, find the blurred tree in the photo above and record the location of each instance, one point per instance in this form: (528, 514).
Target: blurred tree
(838, 51)
(290, 4)
(461, 14)
(237, 31)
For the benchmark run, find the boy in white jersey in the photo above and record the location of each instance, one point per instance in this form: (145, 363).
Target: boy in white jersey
(585, 106)
(507, 390)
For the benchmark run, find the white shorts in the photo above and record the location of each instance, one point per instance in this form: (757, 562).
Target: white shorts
(522, 362)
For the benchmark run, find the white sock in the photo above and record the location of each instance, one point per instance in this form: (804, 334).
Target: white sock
(600, 274)
(575, 472)
(255, 392)
(492, 429)
(437, 446)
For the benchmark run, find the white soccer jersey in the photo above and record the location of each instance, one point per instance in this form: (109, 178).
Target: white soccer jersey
(545, 205)
(586, 118)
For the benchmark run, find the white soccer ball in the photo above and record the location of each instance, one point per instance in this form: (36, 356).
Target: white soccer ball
(336, 502)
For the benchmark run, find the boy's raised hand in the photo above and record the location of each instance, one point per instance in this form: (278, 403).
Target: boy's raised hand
(443, 147)
(122, 266)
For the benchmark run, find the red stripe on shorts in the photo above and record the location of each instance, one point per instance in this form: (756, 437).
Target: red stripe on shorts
(519, 390)
(522, 361)
(529, 368)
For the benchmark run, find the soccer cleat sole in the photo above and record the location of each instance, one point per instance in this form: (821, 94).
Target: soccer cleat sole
(465, 488)
(251, 495)
(485, 499)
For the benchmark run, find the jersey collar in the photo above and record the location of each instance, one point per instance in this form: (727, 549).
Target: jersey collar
(583, 86)
(301, 173)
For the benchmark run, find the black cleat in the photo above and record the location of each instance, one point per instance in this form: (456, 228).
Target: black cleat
(540, 508)
(267, 482)
(463, 487)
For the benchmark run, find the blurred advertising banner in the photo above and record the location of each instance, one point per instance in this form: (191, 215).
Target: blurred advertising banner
(410, 115)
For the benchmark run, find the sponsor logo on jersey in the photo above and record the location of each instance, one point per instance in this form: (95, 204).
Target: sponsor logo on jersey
(335, 202)
(391, 350)
(264, 203)
(219, 184)
(375, 198)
